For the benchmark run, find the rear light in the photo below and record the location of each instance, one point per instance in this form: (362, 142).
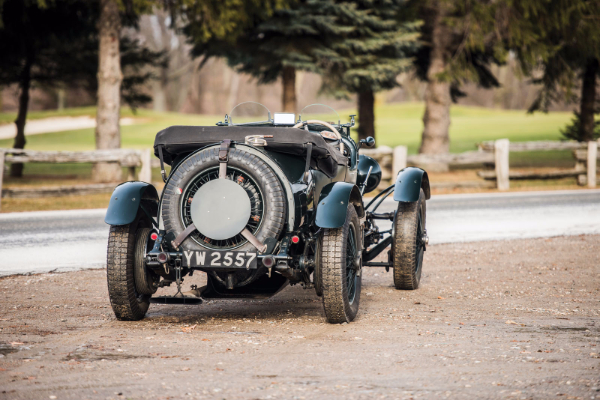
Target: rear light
(268, 261)
(295, 239)
(162, 257)
(153, 236)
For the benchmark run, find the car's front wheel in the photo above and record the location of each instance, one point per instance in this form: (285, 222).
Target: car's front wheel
(340, 269)
(125, 254)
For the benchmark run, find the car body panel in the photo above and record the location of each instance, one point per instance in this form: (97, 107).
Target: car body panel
(408, 185)
(125, 202)
(333, 203)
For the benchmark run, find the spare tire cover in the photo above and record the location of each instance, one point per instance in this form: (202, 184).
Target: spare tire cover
(250, 172)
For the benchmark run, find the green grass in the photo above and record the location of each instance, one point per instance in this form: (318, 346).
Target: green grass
(401, 124)
(9, 117)
(396, 124)
(140, 135)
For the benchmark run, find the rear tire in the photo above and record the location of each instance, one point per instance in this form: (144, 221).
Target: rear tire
(317, 275)
(341, 274)
(407, 243)
(126, 302)
(146, 281)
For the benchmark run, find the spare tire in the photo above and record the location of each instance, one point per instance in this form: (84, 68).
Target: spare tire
(267, 197)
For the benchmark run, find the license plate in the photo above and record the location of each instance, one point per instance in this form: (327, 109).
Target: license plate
(219, 259)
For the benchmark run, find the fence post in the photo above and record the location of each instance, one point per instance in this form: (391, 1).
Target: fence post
(146, 169)
(501, 152)
(1, 175)
(131, 173)
(399, 158)
(592, 154)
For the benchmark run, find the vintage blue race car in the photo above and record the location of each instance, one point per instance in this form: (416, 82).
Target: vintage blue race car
(257, 204)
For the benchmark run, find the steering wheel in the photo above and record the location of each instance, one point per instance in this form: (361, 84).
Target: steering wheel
(326, 125)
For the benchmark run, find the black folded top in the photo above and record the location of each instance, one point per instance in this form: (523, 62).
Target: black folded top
(177, 140)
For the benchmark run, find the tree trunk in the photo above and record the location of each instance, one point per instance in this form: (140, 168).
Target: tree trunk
(588, 101)
(289, 89)
(366, 114)
(16, 169)
(436, 120)
(108, 135)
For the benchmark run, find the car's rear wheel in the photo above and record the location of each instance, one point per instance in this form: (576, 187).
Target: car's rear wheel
(408, 243)
(124, 241)
(340, 267)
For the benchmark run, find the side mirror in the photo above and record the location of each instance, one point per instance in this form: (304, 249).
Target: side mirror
(369, 142)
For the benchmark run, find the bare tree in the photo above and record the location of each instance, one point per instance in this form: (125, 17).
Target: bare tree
(108, 134)
(436, 119)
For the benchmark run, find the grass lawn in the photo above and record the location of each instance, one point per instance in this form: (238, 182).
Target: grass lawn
(396, 124)
(401, 124)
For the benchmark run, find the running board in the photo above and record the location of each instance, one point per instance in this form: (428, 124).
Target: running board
(175, 300)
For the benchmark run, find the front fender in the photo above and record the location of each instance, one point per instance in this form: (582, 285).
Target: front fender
(126, 199)
(333, 202)
(408, 185)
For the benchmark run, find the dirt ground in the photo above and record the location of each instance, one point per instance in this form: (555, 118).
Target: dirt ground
(511, 319)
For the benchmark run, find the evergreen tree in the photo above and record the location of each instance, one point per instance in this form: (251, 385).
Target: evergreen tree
(370, 49)
(275, 46)
(461, 39)
(563, 40)
(36, 42)
(56, 44)
(356, 45)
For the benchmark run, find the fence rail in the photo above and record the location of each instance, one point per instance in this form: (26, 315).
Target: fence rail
(540, 145)
(131, 159)
(496, 154)
(392, 160)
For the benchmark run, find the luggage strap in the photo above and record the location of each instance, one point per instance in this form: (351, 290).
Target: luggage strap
(162, 164)
(308, 157)
(183, 235)
(224, 158)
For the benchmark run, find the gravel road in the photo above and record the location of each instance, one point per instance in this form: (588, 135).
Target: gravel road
(516, 319)
(35, 242)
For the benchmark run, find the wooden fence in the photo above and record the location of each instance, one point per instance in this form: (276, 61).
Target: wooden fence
(131, 159)
(496, 154)
(392, 160)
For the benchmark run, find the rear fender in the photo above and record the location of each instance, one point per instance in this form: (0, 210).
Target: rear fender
(333, 202)
(127, 199)
(408, 185)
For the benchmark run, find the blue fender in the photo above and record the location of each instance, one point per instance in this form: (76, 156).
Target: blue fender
(333, 203)
(126, 199)
(408, 185)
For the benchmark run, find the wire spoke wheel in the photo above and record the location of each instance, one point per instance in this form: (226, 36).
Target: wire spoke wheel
(129, 294)
(267, 205)
(420, 245)
(341, 276)
(408, 244)
(351, 254)
(256, 201)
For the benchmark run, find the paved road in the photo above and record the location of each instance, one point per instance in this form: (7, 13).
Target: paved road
(71, 240)
(54, 124)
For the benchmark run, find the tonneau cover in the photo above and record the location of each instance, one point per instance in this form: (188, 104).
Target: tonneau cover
(176, 140)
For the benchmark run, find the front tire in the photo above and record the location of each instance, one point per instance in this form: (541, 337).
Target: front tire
(340, 269)
(407, 244)
(126, 302)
